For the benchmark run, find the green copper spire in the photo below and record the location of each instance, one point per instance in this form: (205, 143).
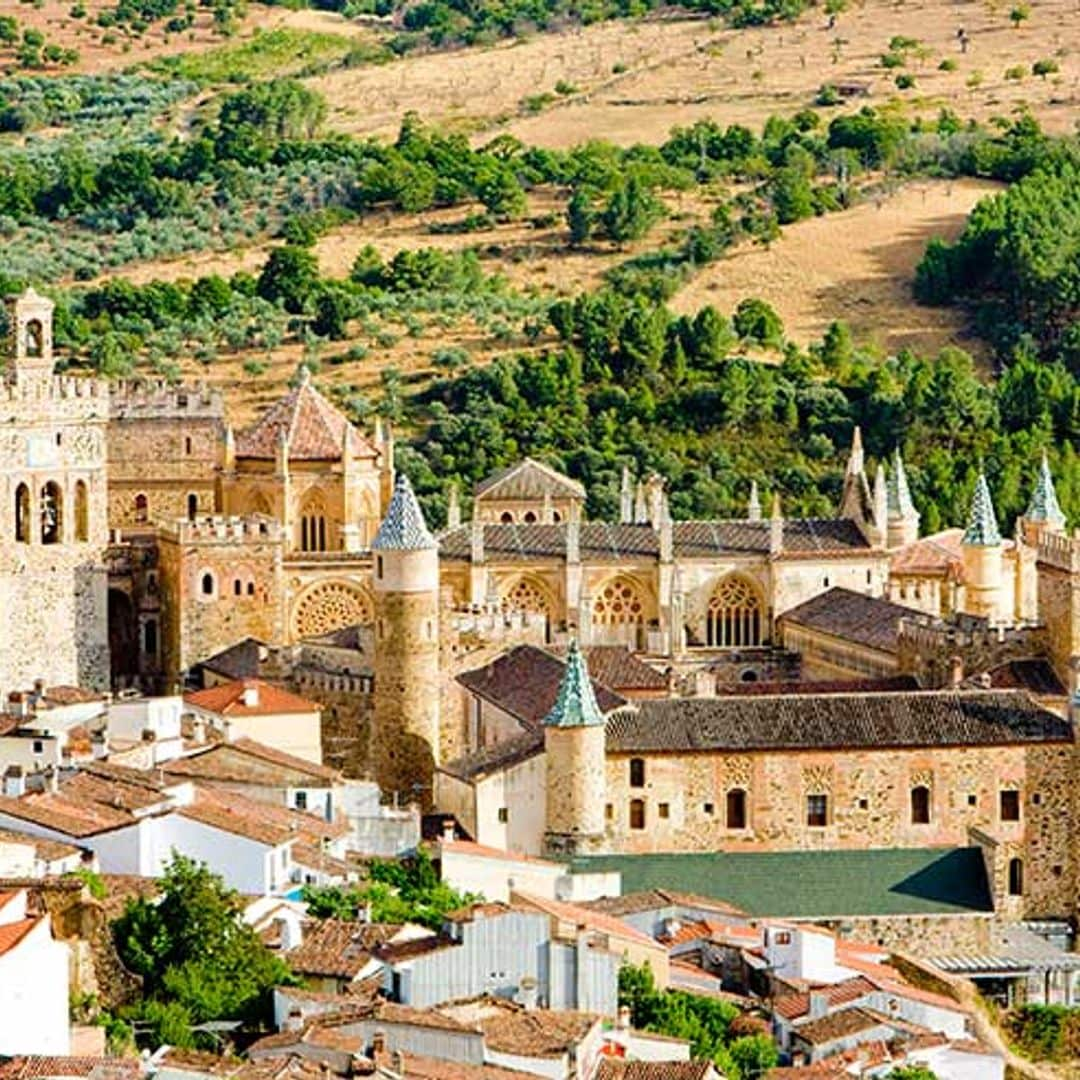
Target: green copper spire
(1044, 504)
(576, 704)
(899, 495)
(982, 530)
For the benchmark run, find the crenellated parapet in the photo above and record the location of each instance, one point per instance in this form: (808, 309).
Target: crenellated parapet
(1060, 552)
(219, 528)
(157, 399)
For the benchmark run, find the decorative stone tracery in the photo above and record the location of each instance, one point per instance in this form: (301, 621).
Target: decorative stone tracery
(818, 779)
(527, 594)
(329, 606)
(619, 603)
(735, 614)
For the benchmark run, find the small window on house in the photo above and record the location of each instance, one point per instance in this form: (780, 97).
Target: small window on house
(825, 581)
(150, 638)
(664, 810)
(708, 809)
(817, 811)
(973, 800)
(507, 518)
(301, 800)
(207, 584)
(736, 809)
(187, 444)
(39, 746)
(1036, 799)
(251, 588)
(609, 811)
(142, 508)
(637, 772)
(237, 587)
(1010, 806)
(378, 567)
(503, 815)
(637, 813)
(556, 517)
(192, 506)
(1016, 877)
(864, 804)
(869, 577)
(782, 937)
(529, 518)
(22, 514)
(920, 805)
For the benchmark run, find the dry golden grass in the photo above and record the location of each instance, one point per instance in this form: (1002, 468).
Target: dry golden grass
(856, 266)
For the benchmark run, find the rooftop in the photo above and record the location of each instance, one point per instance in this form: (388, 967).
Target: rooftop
(246, 761)
(263, 822)
(249, 697)
(853, 616)
(403, 528)
(819, 884)
(494, 758)
(838, 1025)
(658, 899)
(43, 849)
(621, 1069)
(618, 669)
(528, 479)
(855, 721)
(605, 541)
(585, 918)
(338, 948)
(239, 661)
(575, 705)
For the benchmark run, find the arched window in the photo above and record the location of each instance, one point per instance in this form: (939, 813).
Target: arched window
(637, 813)
(530, 596)
(192, 506)
(734, 618)
(142, 508)
(150, 637)
(920, 805)
(22, 514)
(251, 588)
(187, 444)
(736, 809)
(52, 513)
(1016, 877)
(529, 518)
(313, 526)
(507, 518)
(619, 603)
(206, 584)
(637, 772)
(82, 512)
(237, 587)
(35, 338)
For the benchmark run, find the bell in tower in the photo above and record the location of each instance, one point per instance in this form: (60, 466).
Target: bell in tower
(30, 318)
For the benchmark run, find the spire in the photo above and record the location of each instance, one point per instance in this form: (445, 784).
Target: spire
(753, 509)
(1044, 505)
(576, 704)
(776, 526)
(855, 462)
(856, 503)
(453, 507)
(881, 498)
(626, 497)
(982, 529)
(899, 495)
(403, 528)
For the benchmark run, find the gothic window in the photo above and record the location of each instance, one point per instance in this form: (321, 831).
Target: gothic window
(35, 338)
(528, 595)
(22, 514)
(734, 618)
(82, 512)
(507, 518)
(142, 508)
(1016, 877)
(920, 805)
(637, 772)
(150, 638)
(206, 584)
(618, 604)
(313, 526)
(52, 511)
(329, 606)
(736, 809)
(817, 811)
(637, 813)
(1010, 806)
(192, 506)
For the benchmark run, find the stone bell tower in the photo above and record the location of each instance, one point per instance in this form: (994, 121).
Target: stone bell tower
(405, 732)
(53, 519)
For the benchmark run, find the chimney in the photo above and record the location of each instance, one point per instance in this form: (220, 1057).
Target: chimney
(250, 696)
(18, 704)
(39, 690)
(14, 782)
(448, 830)
(623, 1022)
(52, 777)
(99, 747)
(819, 1005)
(956, 671)
(290, 932)
(528, 993)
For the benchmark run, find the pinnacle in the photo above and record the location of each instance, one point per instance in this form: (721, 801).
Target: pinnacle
(1044, 505)
(576, 704)
(982, 529)
(899, 494)
(403, 528)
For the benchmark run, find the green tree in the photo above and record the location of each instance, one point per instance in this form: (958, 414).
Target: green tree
(912, 1072)
(580, 217)
(755, 320)
(631, 212)
(1019, 14)
(1042, 68)
(290, 276)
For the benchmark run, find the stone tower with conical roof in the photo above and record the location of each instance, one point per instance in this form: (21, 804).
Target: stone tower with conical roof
(982, 550)
(902, 521)
(1043, 514)
(574, 751)
(405, 731)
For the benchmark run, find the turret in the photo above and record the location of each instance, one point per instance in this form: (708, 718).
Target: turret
(1043, 514)
(903, 518)
(574, 745)
(405, 732)
(982, 555)
(30, 321)
(856, 502)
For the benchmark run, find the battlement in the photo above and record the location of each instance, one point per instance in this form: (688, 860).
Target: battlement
(138, 399)
(219, 528)
(56, 388)
(1060, 551)
(967, 633)
(490, 624)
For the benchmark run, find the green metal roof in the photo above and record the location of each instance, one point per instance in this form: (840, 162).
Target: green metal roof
(1044, 504)
(982, 530)
(816, 884)
(576, 704)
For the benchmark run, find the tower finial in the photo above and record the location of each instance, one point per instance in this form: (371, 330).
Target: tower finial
(576, 704)
(753, 509)
(1044, 506)
(403, 528)
(982, 528)
(856, 462)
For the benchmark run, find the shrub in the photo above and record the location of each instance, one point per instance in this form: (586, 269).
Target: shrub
(948, 64)
(827, 95)
(1042, 68)
(892, 60)
(1016, 73)
(755, 320)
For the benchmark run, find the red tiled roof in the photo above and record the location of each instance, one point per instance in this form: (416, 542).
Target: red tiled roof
(263, 822)
(314, 428)
(621, 1069)
(92, 1068)
(338, 948)
(937, 554)
(228, 699)
(792, 1006)
(468, 847)
(12, 933)
(588, 918)
(248, 761)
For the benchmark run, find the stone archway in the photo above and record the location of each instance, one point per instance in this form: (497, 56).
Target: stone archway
(528, 594)
(329, 605)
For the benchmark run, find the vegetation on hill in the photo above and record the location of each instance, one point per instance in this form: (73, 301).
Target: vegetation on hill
(1045, 1032)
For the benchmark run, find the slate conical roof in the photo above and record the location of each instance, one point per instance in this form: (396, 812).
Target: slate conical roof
(1044, 504)
(982, 529)
(899, 495)
(403, 528)
(576, 704)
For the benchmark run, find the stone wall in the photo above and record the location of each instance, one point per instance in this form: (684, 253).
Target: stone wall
(1059, 612)
(868, 797)
(927, 652)
(921, 935)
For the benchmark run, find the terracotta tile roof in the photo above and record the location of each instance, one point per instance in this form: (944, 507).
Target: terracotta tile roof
(44, 849)
(658, 899)
(75, 817)
(709, 930)
(389, 1012)
(891, 684)
(535, 1032)
(467, 847)
(583, 918)
(314, 428)
(617, 668)
(70, 695)
(841, 1024)
(264, 822)
(239, 661)
(936, 555)
(528, 479)
(318, 1033)
(605, 541)
(1035, 675)
(248, 762)
(494, 758)
(89, 1068)
(312, 857)
(794, 1006)
(525, 681)
(424, 1068)
(808, 721)
(621, 1069)
(337, 948)
(852, 616)
(12, 933)
(228, 699)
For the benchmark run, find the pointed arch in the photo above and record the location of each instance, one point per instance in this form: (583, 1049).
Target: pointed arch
(736, 614)
(22, 514)
(313, 522)
(258, 503)
(621, 601)
(529, 594)
(52, 513)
